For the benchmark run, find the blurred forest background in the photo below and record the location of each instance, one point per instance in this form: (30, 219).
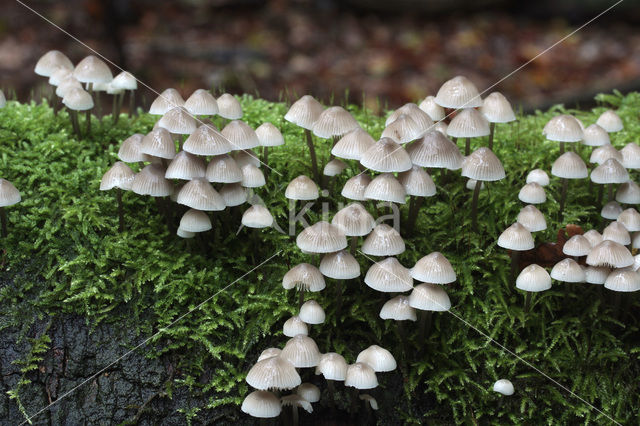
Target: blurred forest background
(392, 51)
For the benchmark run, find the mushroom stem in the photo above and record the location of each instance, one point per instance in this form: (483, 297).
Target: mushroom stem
(294, 415)
(120, 210)
(600, 193)
(467, 147)
(610, 188)
(354, 400)
(332, 391)
(527, 302)
(73, 115)
(3, 218)
(515, 260)
(492, 127)
(312, 152)
(414, 208)
(114, 109)
(563, 197)
(98, 106)
(354, 244)
(300, 298)
(474, 204)
(561, 148)
(131, 103)
(265, 158)
(339, 297)
(88, 112)
(120, 101)
(425, 324)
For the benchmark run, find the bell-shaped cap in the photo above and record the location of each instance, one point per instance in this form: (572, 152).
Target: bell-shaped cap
(483, 165)
(610, 121)
(51, 61)
(304, 277)
(151, 181)
(340, 265)
(233, 194)
(468, 123)
(158, 143)
(201, 102)
(533, 278)
(433, 110)
(321, 237)
(301, 351)
(77, 99)
(200, 195)
(377, 358)
(403, 129)
(385, 187)
(429, 297)
(398, 309)
(459, 92)
(630, 219)
(563, 128)
(124, 81)
(569, 166)
(516, 237)
(186, 166)
(611, 210)
(603, 153)
(386, 156)
(577, 246)
(252, 177)
(435, 150)
(389, 276)
(616, 231)
(240, 135)
(610, 254)
(631, 156)
(383, 241)
(334, 121)
(246, 156)
(360, 376)
(595, 135)
(354, 188)
(312, 313)
(262, 405)
(304, 112)
(504, 387)
(302, 188)
(628, 193)
(273, 373)
(309, 392)
(295, 326)
(538, 176)
(269, 135)
(168, 99)
(611, 171)
(353, 145)
(497, 109)
(223, 169)
(596, 274)
(257, 216)
(296, 401)
(195, 221)
(594, 237)
(434, 268)
(206, 140)
(92, 70)
(129, 151)
(417, 182)
(229, 107)
(568, 270)
(118, 176)
(9, 195)
(422, 119)
(178, 121)
(60, 75)
(334, 167)
(354, 220)
(532, 193)
(532, 219)
(332, 366)
(623, 281)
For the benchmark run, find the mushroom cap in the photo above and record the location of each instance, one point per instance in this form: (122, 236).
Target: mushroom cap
(186, 166)
(468, 123)
(516, 237)
(421, 118)
(483, 165)
(9, 195)
(383, 241)
(305, 277)
(195, 221)
(434, 268)
(568, 270)
(602, 153)
(403, 129)
(371, 400)
(273, 373)
(334, 167)
(60, 75)
(628, 193)
(223, 169)
(623, 281)
(178, 121)
(199, 194)
(386, 156)
(118, 176)
(594, 237)
(533, 278)
(252, 177)
(378, 358)
(630, 218)
(354, 188)
(497, 109)
(268, 353)
(168, 99)
(294, 326)
(459, 92)
(304, 112)
(596, 274)
(269, 135)
(229, 107)
(577, 246)
(309, 392)
(51, 61)
(532, 219)
(257, 216)
(151, 181)
(353, 144)
(611, 171)
(129, 151)
(240, 135)
(610, 121)
(569, 166)
(504, 387)
(77, 99)
(429, 297)
(302, 188)
(532, 193)
(92, 70)
(207, 140)
(201, 102)
(398, 309)
(124, 81)
(340, 265)
(385, 187)
(334, 121)
(417, 182)
(441, 127)
(184, 234)
(631, 156)
(261, 404)
(610, 254)
(321, 237)
(301, 351)
(563, 128)
(611, 210)
(616, 231)
(434, 149)
(389, 276)
(233, 194)
(360, 376)
(332, 366)
(246, 156)
(312, 313)
(66, 85)
(595, 135)
(435, 111)
(354, 220)
(158, 143)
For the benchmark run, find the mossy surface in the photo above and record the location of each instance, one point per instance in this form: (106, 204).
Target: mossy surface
(64, 256)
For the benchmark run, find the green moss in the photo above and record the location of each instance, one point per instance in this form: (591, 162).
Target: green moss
(63, 255)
